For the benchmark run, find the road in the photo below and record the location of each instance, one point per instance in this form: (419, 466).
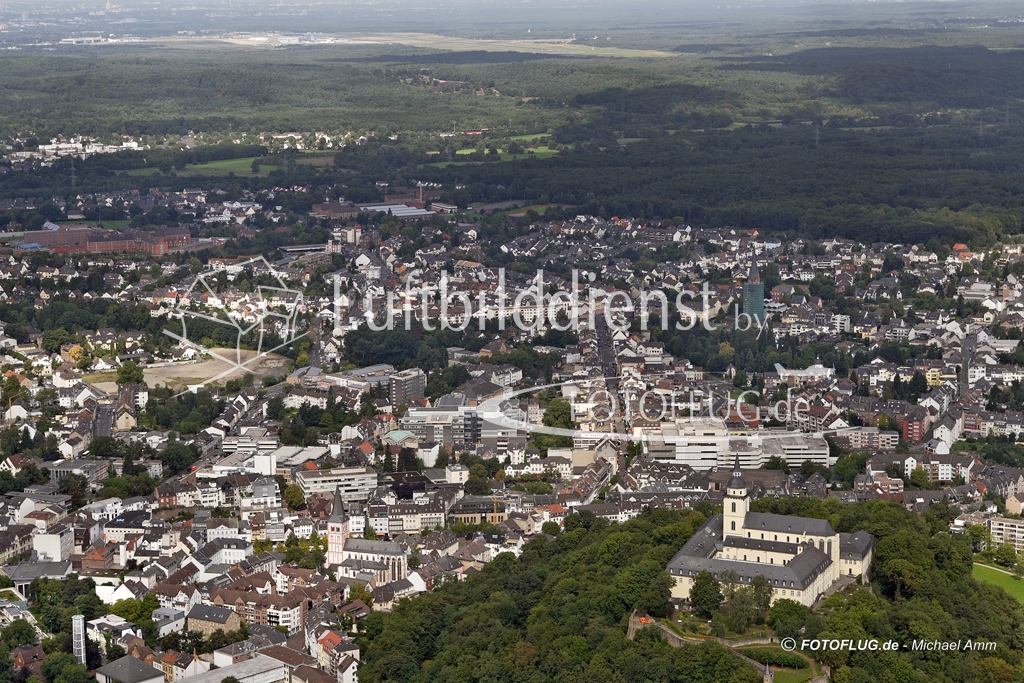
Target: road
(610, 368)
(105, 419)
(967, 349)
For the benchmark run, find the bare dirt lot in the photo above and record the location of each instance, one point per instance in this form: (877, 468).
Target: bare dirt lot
(179, 376)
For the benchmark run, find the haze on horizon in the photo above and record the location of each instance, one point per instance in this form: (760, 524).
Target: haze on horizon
(539, 18)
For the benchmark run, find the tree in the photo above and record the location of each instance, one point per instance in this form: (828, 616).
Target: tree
(115, 652)
(741, 609)
(551, 528)
(293, 497)
(705, 595)
(275, 408)
(762, 593)
(407, 460)
(177, 456)
(477, 486)
(583, 519)
(76, 486)
(20, 632)
(776, 462)
(361, 591)
(1005, 555)
(12, 388)
(919, 478)
(558, 414)
(130, 373)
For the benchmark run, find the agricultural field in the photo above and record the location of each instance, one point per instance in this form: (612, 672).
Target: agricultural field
(242, 168)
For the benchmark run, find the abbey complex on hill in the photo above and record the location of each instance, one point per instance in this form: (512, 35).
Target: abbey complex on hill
(801, 557)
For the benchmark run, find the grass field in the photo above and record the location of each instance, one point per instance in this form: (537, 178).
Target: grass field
(1014, 587)
(791, 675)
(529, 138)
(240, 167)
(96, 378)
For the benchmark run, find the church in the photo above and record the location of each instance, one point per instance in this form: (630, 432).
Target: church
(377, 562)
(801, 557)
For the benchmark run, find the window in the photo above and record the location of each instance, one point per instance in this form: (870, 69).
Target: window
(734, 507)
(733, 525)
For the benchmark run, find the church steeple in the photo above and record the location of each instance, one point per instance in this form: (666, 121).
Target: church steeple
(338, 510)
(337, 530)
(736, 503)
(736, 481)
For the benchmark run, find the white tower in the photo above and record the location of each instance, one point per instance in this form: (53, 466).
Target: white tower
(78, 636)
(736, 503)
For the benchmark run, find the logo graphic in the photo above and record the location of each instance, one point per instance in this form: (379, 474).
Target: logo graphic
(269, 311)
(606, 406)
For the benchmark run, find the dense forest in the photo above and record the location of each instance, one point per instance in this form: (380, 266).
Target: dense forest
(904, 144)
(559, 612)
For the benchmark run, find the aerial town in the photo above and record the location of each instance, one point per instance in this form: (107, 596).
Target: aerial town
(240, 459)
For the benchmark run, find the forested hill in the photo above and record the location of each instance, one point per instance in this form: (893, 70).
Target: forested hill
(895, 184)
(559, 612)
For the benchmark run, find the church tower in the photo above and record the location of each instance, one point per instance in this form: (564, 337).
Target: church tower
(337, 531)
(736, 503)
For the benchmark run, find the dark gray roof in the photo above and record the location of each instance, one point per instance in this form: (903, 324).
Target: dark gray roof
(219, 615)
(736, 480)
(697, 555)
(785, 524)
(128, 669)
(855, 546)
(705, 542)
(798, 574)
(27, 571)
(359, 545)
(758, 544)
(268, 632)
